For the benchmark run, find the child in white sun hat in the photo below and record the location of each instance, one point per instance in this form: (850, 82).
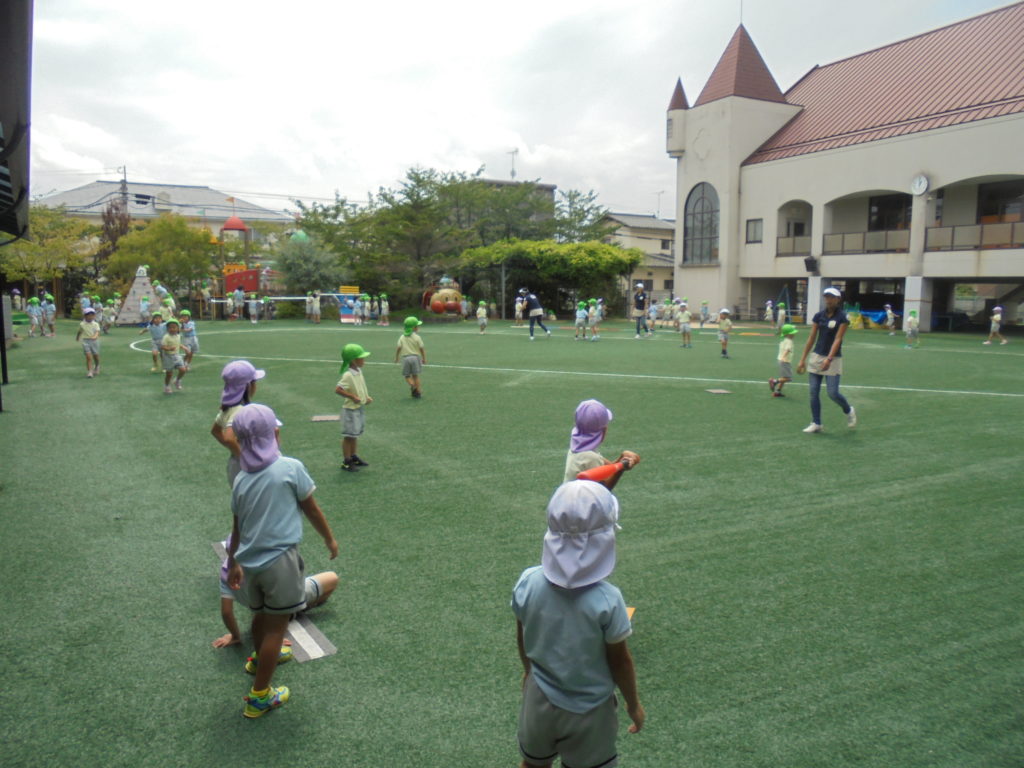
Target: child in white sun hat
(571, 629)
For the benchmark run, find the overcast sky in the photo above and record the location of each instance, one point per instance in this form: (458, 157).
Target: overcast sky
(312, 97)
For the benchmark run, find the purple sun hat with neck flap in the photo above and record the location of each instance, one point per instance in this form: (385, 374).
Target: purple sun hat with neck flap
(592, 417)
(255, 427)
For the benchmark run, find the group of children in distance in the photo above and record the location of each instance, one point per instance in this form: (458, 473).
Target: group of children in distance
(589, 314)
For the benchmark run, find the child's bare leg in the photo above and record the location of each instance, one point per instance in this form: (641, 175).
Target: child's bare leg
(167, 378)
(268, 635)
(227, 615)
(328, 582)
(416, 383)
(348, 447)
(780, 382)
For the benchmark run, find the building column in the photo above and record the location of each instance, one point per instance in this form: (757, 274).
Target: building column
(918, 224)
(814, 290)
(917, 295)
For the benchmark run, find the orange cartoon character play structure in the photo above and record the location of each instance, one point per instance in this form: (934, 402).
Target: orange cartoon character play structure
(443, 297)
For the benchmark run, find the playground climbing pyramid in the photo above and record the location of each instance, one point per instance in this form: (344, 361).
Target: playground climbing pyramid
(131, 310)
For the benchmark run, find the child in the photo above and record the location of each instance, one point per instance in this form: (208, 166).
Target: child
(519, 312)
(571, 629)
(385, 310)
(997, 320)
(366, 309)
(652, 317)
(724, 326)
(592, 319)
(910, 326)
(170, 356)
(781, 315)
(90, 329)
(705, 314)
(50, 316)
(481, 315)
(357, 311)
(254, 309)
(157, 330)
(352, 387)
(189, 340)
(589, 431)
(264, 566)
(240, 377)
(785, 359)
(317, 589)
(309, 306)
(890, 320)
(35, 316)
(144, 312)
(683, 318)
(108, 317)
(413, 353)
(581, 321)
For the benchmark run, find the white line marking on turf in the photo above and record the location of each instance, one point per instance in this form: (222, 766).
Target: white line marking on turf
(643, 376)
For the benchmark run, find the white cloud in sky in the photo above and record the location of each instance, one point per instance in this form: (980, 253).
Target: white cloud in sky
(310, 97)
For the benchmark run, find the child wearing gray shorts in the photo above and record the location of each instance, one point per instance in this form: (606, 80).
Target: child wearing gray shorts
(352, 387)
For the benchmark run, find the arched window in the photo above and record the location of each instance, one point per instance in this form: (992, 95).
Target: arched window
(700, 226)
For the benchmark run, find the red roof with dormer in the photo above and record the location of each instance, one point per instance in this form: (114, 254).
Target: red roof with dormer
(968, 71)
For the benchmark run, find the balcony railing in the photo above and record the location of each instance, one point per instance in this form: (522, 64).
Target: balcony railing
(882, 241)
(973, 237)
(793, 246)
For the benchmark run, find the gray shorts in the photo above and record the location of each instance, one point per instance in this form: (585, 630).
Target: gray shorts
(171, 362)
(545, 731)
(785, 370)
(192, 343)
(312, 591)
(353, 421)
(281, 588)
(91, 346)
(412, 365)
(723, 336)
(684, 327)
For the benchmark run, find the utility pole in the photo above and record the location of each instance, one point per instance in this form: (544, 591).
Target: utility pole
(124, 186)
(514, 152)
(659, 194)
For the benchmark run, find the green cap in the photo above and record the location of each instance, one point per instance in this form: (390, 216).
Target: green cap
(185, 313)
(172, 319)
(349, 353)
(49, 297)
(157, 313)
(33, 300)
(592, 302)
(383, 295)
(484, 303)
(411, 324)
(781, 305)
(788, 330)
(913, 313)
(155, 282)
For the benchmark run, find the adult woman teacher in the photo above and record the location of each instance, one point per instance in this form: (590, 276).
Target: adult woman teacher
(826, 360)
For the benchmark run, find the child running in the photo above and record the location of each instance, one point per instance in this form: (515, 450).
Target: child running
(90, 330)
(413, 354)
(785, 359)
(189, 340)
(997, 323)
(157, 331)
(170, 356)
(352, 387)
(269, 498)
(590, 428)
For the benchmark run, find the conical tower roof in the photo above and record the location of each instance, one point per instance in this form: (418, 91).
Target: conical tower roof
(741, 72)
(678, 97)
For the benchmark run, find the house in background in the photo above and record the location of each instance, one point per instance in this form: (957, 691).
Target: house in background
(895, 175)
(654, 237)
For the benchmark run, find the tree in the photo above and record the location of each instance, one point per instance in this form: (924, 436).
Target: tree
(307, 267)
(578, 217)
(116, 223)
(558, 272)
(177, 254)
(59, 244)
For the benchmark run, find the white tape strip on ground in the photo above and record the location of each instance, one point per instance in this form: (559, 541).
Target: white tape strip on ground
(308, 642)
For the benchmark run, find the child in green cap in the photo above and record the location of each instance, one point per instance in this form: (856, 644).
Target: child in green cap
(481, 315)
(385, 310)
(910, 328)
(785, 361)
(413, 354)
(352, 387)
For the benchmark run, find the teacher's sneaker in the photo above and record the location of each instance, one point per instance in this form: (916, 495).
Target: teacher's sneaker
(851, 418)
(258, 706)
(812, 428)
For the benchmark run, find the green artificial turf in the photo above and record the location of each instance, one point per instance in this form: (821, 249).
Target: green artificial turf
(852, 598)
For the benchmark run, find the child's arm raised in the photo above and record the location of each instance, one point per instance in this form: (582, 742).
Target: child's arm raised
(316, 518)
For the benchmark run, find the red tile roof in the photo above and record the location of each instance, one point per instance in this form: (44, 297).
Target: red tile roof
(968, 71)
(740, 72)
